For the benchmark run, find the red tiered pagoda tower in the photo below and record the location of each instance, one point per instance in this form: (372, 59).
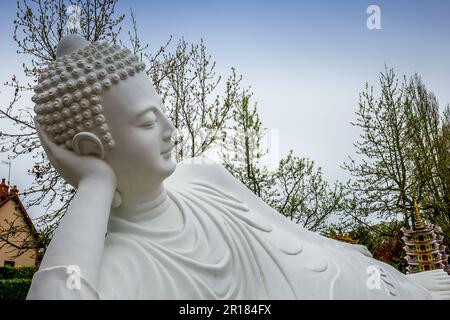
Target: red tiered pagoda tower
(424, 248)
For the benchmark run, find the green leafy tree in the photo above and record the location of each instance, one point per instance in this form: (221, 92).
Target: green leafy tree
(303, 195)
(296, 188)
(430, 153)
(242, 151)
(402, 155)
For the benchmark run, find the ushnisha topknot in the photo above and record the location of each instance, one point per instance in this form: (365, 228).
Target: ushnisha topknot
(68, 92)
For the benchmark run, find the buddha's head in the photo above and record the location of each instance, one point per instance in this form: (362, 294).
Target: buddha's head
(96, 100)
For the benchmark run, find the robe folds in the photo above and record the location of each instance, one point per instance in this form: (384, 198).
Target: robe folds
(231, 246)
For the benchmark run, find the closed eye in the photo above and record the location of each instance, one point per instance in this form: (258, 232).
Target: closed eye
(148, 119)
(149, 124)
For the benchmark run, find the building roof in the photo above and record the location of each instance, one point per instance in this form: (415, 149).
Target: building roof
(12, 194)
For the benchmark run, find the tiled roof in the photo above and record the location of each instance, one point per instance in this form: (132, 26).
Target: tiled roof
(12, 194)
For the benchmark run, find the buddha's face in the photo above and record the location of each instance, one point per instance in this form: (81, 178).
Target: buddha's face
(141, 131)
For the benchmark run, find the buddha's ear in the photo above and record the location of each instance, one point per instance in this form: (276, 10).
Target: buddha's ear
(88, 144)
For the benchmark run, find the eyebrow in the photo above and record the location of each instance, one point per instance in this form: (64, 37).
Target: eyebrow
(153, 108)
(146, 110)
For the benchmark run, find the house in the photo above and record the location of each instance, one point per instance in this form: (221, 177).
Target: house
(15, 222)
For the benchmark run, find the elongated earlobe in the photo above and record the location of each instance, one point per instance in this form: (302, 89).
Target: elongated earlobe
(87, 143)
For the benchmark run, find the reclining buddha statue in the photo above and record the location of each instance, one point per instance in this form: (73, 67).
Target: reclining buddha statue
(141, 226)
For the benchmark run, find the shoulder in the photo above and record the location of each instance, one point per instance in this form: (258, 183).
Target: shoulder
(200, 168)
(209, 172)
(213, 174)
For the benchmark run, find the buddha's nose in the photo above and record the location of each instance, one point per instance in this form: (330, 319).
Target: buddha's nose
(169, 130)
(168, 134)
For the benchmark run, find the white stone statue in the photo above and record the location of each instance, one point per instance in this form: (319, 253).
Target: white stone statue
(142, 227)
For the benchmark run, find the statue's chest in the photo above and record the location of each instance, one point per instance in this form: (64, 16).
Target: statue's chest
(223, 253)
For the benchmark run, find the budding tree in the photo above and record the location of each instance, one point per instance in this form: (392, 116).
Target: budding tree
(404, 154)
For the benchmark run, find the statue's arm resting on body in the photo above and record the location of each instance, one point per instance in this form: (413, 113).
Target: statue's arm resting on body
(78, 242)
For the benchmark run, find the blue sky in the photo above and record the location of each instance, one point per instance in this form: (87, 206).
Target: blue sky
(305, 60)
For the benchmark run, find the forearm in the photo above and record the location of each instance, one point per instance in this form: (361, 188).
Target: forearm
(80, 237)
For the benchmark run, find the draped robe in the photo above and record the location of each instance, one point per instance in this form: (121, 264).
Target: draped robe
(231, 246)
